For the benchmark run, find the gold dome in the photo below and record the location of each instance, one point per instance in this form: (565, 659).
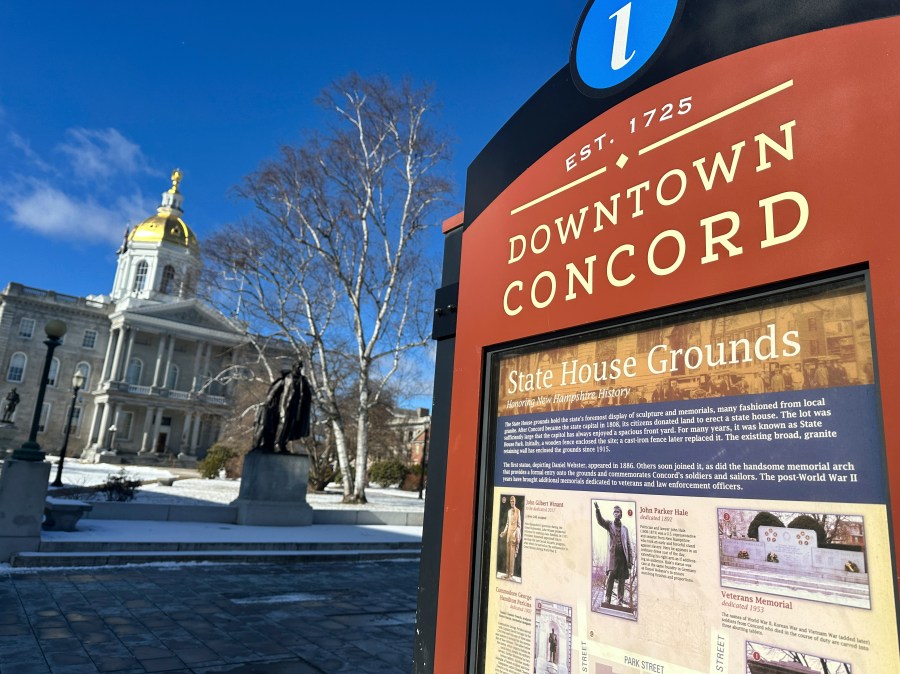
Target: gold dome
(167, 224)
(164, 227)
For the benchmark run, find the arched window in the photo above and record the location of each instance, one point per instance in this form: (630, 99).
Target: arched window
(172, 378)
(167, 284)
(140, 276)
(133, 373)
(53, 374)
(85, 369)
(17, 363)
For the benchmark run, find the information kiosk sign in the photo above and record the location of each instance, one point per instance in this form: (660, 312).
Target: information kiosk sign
(669, 446)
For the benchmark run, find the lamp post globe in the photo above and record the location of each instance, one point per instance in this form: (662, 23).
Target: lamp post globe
(77, 383)
(30, 449)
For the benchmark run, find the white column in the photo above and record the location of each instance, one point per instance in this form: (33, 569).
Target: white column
(195, 434)
(195, 381)
(186, 431)
(104, 424)
(94, 437)
(115, 420)
(159, 356)
(107, 364)
(164, 383)
(128, 349)
(156, 427)
(117, 357)
(209, 348)
(145, 433)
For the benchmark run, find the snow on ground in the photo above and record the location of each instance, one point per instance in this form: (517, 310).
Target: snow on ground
(151, 531)
(198, 491)
(77, 474)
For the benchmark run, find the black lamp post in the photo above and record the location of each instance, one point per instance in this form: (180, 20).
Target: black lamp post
(77, 383)
(30, 449)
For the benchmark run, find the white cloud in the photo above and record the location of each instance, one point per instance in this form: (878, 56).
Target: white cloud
(48, 210)
(89, 192)
(24, 147)
(103, 153)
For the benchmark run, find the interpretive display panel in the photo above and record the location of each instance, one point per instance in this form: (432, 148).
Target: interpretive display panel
(668, 325)
(704, 493)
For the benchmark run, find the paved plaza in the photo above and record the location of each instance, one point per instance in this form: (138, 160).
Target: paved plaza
(265, 618)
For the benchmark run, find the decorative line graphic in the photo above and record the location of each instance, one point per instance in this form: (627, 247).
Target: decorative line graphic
(719, 115)
(558, 190)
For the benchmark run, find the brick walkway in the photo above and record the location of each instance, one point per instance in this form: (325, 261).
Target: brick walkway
(306, 618)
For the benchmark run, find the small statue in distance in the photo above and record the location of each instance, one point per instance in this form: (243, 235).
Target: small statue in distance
(12, 400)
(284, 416)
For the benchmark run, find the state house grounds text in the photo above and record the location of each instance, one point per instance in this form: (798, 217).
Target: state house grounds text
(589, 445)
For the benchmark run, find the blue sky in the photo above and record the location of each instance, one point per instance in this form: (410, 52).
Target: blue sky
(99, 101)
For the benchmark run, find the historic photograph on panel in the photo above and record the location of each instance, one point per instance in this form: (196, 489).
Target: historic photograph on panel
(614, 578)
(765, 659)
(509, 550)
(552, 638)
(816, 556)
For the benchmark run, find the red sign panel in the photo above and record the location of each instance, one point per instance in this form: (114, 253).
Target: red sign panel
(762, 168)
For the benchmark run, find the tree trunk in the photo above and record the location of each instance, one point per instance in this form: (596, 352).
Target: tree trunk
(340, 444)
(362, 442)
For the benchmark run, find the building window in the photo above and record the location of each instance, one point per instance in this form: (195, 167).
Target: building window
(53, 374)
(86, 371)
(90, 339)
(26, 328)
(140, 276)
(16, 371)
(45, 417)
(76, 422)
(172, 378)
(168, 279)
(133, 373)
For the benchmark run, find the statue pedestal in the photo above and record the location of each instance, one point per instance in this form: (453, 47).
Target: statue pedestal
(23, 491)
(273, 490)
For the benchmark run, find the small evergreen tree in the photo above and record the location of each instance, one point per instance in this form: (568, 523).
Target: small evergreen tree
(762, 519)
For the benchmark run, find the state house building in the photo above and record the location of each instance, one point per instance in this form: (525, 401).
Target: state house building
(150, 352)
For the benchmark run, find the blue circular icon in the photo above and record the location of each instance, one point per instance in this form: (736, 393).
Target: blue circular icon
(615, 39)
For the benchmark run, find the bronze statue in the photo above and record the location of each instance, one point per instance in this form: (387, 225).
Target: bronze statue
(284, 416)
(12, 399)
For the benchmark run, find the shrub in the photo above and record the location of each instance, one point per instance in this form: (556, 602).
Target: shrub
(762, 519)
(416, 470)
(216, 459)
(322, 478)
(388, 473)
(413, 480)
(119, 487)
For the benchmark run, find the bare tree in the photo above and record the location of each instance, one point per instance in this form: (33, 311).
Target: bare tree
(331, 263)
